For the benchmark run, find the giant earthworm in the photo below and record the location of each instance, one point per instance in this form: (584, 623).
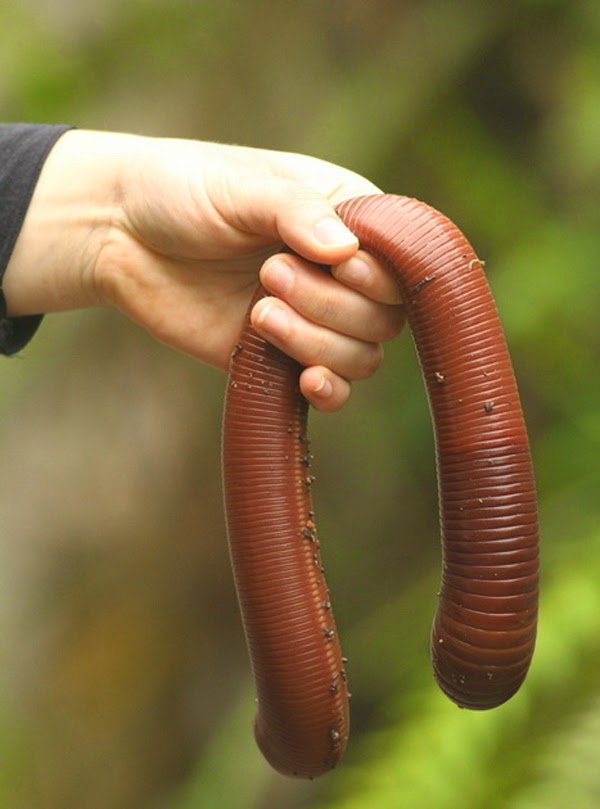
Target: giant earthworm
(484, 629)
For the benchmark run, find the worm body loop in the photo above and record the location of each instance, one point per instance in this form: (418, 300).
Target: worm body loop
(300, 678)
(483, 634)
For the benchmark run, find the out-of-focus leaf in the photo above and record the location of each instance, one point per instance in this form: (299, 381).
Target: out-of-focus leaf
(444, 758)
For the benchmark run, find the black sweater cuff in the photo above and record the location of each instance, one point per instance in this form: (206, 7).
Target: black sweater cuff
(23, 152)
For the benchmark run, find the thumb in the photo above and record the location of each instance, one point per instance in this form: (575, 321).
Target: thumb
(296, 214)
(308, 223)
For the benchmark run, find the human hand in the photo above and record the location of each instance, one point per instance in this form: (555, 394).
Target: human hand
(176, 233)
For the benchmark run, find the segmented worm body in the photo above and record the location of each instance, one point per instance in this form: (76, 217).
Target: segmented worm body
(483, 633)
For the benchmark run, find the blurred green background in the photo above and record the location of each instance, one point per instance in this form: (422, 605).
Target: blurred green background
(124, 680)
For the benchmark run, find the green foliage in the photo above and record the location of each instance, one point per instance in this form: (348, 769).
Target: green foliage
(12, 755)
(231, 766)
(490, 112)
(438, 756)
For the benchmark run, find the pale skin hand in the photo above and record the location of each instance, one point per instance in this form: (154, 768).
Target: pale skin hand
(175, 234)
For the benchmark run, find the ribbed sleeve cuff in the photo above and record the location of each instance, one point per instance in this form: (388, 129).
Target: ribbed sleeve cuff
(23, 152)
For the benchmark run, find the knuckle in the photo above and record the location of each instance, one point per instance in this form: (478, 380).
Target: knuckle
(322, 309)
(371, 362)
(391, 325)
(321, 349)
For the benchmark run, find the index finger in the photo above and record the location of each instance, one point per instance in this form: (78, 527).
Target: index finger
(369, 276)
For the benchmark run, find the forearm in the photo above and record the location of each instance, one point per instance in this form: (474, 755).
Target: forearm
(52, 266)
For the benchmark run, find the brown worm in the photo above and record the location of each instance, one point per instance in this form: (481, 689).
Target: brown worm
(483, 634)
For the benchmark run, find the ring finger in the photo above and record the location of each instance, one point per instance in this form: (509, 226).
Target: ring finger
(312, 344)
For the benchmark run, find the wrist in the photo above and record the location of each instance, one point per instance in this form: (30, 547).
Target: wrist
(76, 200)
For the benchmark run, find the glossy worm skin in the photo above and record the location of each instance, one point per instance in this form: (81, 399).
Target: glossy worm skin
(483, 634)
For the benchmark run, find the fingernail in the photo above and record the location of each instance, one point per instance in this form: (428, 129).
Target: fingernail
(355, 271)
(274, 320)
(277, 276)
(333, 233)
(324, 389)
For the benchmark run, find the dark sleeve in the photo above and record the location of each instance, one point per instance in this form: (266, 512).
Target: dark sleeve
(23, 150)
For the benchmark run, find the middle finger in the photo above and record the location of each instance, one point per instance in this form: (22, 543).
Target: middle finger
(320, 298)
